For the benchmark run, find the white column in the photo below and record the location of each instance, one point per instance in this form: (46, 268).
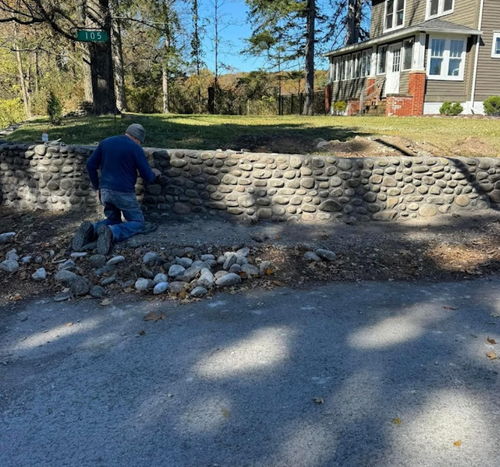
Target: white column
(373, 65)
(419, 53)
(331, 77)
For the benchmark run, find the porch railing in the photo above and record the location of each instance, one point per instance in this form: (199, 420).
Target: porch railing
(376, 94)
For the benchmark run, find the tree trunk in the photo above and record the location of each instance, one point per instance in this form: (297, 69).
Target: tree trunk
(196, 50)
(116, 44)
(101, 61)
(103, 90)
(37, 73)
(87, 74)
(353, 21)
(165, 88)
(21, 75)
(309, 85)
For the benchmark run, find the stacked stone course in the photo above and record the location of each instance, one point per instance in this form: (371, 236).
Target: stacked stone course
(250, 187)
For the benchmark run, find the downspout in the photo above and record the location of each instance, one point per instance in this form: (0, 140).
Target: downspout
(476, 59)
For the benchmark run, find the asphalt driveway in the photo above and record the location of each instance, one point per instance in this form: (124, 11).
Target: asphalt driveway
(360, 374)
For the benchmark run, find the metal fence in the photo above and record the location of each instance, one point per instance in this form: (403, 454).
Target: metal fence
(287, 104)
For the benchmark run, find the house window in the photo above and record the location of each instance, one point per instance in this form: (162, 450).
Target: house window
(439, 7)
(394, 14)
(382, 54)
(366, 62)
(408, 58)
(356, 65)
(446, 59)
(495, 53)
(347, 68)
(396, 61)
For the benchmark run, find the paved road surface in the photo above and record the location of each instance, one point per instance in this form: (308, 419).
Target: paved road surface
(400, 368)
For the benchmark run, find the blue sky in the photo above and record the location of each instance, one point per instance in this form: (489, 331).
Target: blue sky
(236, 30)
(235, 21)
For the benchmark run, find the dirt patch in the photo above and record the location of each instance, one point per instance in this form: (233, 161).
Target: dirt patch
(449, 248)
(360, 146)
(474, 147)
(274, 144)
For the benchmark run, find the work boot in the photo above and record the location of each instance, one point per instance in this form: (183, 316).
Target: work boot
(104, 239)
(84, 235)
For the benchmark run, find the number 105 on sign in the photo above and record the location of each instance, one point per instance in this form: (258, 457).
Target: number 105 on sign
(91, 35)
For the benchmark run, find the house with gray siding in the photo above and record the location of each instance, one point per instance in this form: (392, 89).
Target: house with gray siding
(420, 54)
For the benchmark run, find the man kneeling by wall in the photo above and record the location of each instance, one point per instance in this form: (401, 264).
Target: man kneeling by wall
(119, 158)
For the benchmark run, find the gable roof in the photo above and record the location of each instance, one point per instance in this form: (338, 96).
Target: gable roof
(430, 26)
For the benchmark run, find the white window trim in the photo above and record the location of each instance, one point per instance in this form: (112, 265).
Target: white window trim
(440, 10)
(403, 55)
(378, 60)
(394, 17)
(446, 59)
(496, 36)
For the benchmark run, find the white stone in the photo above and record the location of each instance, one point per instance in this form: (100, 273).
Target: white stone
(160, 288)
(39, 275)
(5, 237)
(116, 260)
(160, 278)
(150, 257)
(206, 279)
(9, 265)
(311, 256)
(228, 280)
(184, 262)
(198, 292)
(243, 251)
(69, 265)
(65, 276)
(12, 255)
(176, 270)
(79, 254)
(250, 270)
(141, 284)
(326, 254)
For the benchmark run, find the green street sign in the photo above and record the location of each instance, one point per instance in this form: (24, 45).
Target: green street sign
(91, 35)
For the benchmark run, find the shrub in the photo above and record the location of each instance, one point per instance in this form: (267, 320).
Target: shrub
(11, 111)
(54, 109)
(492, 106)
(339, 107)
(451, 109)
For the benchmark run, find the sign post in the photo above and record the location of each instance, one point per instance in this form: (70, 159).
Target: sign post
(91, 35)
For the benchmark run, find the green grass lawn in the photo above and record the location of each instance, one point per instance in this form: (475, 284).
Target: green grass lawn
(219, 131)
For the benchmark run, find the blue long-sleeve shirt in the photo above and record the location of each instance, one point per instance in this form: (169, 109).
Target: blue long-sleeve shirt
(119, 159)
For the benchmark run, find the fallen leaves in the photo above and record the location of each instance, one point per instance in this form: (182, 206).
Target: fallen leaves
(449, 308)
(16, 297)
(319, 400)
(492, 355)
(152, 316)
(396, 421)
(457, 443)
(106, 302)
(69, 324)
(225, 412)
(142, 333)
(491, 340)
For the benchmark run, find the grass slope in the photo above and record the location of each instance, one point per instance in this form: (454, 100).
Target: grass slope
(219, 131)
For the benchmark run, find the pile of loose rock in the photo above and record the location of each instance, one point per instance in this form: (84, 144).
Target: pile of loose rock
(190, 274)
(180, 272)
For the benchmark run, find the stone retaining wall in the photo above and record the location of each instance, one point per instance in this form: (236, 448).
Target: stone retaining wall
(249, 187)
